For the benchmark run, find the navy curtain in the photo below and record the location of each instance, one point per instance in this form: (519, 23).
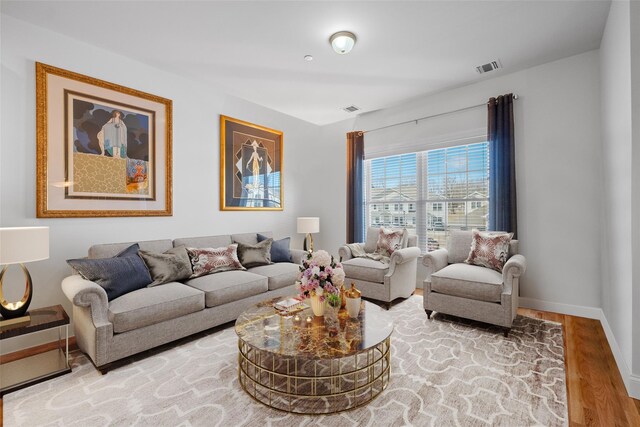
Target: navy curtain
(355, 176)
(502, 166)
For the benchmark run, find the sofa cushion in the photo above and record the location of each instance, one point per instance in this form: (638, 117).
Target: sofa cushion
(204, 242)
(170, 266)
(228, 286)
(365, 269)
(280, 275)
(468, 281)
(280, 251)
(112, 249)
(255, 255)
(148, 306)
(118, 275)
(214, 260)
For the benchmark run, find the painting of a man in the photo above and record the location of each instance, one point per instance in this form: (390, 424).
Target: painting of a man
(113, 136)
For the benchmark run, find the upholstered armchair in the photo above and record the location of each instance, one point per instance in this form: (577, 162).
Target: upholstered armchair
(381, 281)
(453, 287)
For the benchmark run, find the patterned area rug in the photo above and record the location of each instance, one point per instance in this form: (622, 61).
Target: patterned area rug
(444, 371)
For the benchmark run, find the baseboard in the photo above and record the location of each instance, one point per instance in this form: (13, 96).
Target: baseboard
(634, 386)
(631, 382)
(556, 307)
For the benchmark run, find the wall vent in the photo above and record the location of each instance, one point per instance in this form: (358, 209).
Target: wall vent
(485, 68)
(351, 109)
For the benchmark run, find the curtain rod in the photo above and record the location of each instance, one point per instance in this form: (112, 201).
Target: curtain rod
(515, 96)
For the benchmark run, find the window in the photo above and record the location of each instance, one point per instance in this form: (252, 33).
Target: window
(431, 192)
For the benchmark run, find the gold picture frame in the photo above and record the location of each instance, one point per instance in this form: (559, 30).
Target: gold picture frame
(251, 167)
(102, 150)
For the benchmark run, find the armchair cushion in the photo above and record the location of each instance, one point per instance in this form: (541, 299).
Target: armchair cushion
(365, 269)
(468, 281)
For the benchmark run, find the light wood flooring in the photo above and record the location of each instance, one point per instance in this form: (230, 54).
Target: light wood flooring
(595, 390)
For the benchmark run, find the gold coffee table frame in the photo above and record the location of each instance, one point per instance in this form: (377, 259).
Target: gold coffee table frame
(314, 383)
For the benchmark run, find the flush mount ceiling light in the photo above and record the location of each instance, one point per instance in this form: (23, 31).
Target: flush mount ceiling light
(308, 58)
(342, 42)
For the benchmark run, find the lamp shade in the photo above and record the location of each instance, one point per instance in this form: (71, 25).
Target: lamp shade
(23, 244)
(308, 224)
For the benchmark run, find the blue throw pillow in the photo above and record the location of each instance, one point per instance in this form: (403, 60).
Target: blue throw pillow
(279, 249)
(119, 275)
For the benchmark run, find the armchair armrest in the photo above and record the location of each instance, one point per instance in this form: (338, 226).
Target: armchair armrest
(345, 252)
(514, 268)
(435, 260)
(85, 293)
(404, 255)
(297, 255)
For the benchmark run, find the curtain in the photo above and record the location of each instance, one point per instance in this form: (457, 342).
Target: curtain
(355, 177)
(502, 165)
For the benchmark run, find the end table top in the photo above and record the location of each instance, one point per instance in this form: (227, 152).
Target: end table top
(301, 334)
(41, 318)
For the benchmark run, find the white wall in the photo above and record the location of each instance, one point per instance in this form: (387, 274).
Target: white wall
(196, 109)
(635, 193)
(615, 66)
(558, 167)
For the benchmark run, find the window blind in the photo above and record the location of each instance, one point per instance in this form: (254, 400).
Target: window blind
(429, 192)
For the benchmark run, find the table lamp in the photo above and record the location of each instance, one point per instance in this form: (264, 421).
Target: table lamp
(19, 245)
(308, 225)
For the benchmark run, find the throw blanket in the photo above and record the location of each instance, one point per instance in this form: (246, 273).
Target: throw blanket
(357, 251)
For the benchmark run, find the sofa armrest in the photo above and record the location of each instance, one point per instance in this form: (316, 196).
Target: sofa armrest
(435, 260)
(514, 268)
(85, 293)
(345, 252)
(297, 255)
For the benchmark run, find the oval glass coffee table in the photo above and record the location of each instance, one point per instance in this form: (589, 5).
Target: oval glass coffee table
(313, 365)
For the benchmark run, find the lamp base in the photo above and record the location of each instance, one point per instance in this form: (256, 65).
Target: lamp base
(13, 310)
(308, 248)
(4, 323)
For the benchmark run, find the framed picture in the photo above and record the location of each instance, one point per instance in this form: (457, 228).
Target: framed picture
(250, 166)
(103, 150)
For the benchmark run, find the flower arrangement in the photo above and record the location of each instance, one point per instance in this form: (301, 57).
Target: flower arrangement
(320, 275)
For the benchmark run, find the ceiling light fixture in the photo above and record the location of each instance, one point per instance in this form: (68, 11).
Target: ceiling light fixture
(342, 42)
(308, 58)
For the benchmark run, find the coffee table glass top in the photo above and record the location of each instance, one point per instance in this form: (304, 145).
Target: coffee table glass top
(302, 334)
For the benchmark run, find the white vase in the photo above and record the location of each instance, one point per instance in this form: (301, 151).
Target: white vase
(353, 307)
(317, 305)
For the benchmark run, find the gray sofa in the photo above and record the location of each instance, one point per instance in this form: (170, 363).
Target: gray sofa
(140, 320)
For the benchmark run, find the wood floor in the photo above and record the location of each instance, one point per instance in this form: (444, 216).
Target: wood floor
(595, 390)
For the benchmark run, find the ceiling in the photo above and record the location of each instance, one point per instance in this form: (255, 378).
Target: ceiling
(255, 50)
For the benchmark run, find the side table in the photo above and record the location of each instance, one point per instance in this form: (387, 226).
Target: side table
(39, 367)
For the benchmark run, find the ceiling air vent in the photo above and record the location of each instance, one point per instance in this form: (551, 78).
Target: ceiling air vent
(351, 109)
(485, 68)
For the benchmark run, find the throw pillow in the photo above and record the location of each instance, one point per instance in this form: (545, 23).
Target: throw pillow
(171, 266)
(213, 260)
(389, 240)
(279, 249)
(489, 250)
(119, 275)
(255, 255)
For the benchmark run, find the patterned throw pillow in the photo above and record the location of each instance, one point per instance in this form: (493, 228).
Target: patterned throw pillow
(489, 249)
(390, 240)
(213, 260)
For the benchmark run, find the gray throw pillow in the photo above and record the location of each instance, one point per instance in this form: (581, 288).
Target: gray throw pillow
(171, 266)
(119, 275)
(279, 249)
(255, 255)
